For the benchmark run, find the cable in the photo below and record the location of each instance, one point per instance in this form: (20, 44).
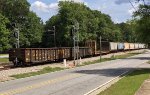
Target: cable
(132, 5)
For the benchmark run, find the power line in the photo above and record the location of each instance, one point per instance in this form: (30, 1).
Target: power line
(132, 5)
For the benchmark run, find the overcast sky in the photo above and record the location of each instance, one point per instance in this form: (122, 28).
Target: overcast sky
(119, 10)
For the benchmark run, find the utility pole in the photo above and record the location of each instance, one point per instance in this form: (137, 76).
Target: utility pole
(54, 30)
(100, 38)
(76, 42)
(77, 35)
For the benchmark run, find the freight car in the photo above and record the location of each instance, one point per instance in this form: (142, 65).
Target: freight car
(113, 46)
(126, 46)
(120, 46)
(136, 46)
(132, 46)
(27, 56)
(108, 47)
(105, 47)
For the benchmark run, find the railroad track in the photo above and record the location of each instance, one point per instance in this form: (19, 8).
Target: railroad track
(5, 67)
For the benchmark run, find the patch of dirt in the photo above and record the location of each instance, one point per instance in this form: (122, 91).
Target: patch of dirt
(144, 89)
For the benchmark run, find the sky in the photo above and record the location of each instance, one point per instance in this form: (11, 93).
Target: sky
(119, 10)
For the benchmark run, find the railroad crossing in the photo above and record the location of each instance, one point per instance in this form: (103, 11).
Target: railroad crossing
(76, 81)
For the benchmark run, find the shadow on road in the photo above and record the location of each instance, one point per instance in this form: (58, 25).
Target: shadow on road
(141, 58)
(111, 72)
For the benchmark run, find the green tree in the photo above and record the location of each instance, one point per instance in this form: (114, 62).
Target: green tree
(31, 31)
(143, 23)
(4, 34)
(128, 31)
(28, 23)
(92, 24)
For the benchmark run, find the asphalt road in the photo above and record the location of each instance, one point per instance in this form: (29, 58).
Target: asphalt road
(77, 81)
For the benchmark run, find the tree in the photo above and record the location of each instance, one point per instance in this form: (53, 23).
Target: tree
(4, 34)
(14, 8)
(128, 31)
(31, 31)
(92, 24)
(28, 23)
(143, 22)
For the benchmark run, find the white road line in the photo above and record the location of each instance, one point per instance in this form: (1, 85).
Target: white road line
(107, 82)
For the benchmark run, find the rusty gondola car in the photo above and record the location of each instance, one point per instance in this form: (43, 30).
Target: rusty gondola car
(25, 56)
(105, 47)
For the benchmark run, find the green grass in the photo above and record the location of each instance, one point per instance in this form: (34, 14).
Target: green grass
(96, 61)
(125, 55)
(111, 58)
(129, 84)
(43, 71)
(148, 62)
(4, 60)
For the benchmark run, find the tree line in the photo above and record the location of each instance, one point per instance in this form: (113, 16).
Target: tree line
(92, 24)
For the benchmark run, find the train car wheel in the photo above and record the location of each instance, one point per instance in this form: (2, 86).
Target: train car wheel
(21, 64)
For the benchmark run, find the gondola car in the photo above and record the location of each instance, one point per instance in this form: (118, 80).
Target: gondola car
(27, 56)
(136, 46)
(105, 47)
(120, 46)
(126, 46)
(113, 46)
(132, 46)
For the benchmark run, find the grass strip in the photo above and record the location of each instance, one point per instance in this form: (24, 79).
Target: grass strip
(111, 58)
(4, 60)
(148, 62)
(129, 84)
(126, 55)
(43, 71)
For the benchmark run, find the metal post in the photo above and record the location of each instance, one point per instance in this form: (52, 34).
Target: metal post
(78, 47)
(77, 28)
(54, 35)
(100, 48)
(74, 45)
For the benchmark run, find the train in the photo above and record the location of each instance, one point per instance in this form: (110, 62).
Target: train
(28, 56)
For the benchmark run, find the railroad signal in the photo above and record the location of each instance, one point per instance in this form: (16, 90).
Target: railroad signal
(16, 35)
(72, 31)
(53, 32)
(75, 34)
(13, 24)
